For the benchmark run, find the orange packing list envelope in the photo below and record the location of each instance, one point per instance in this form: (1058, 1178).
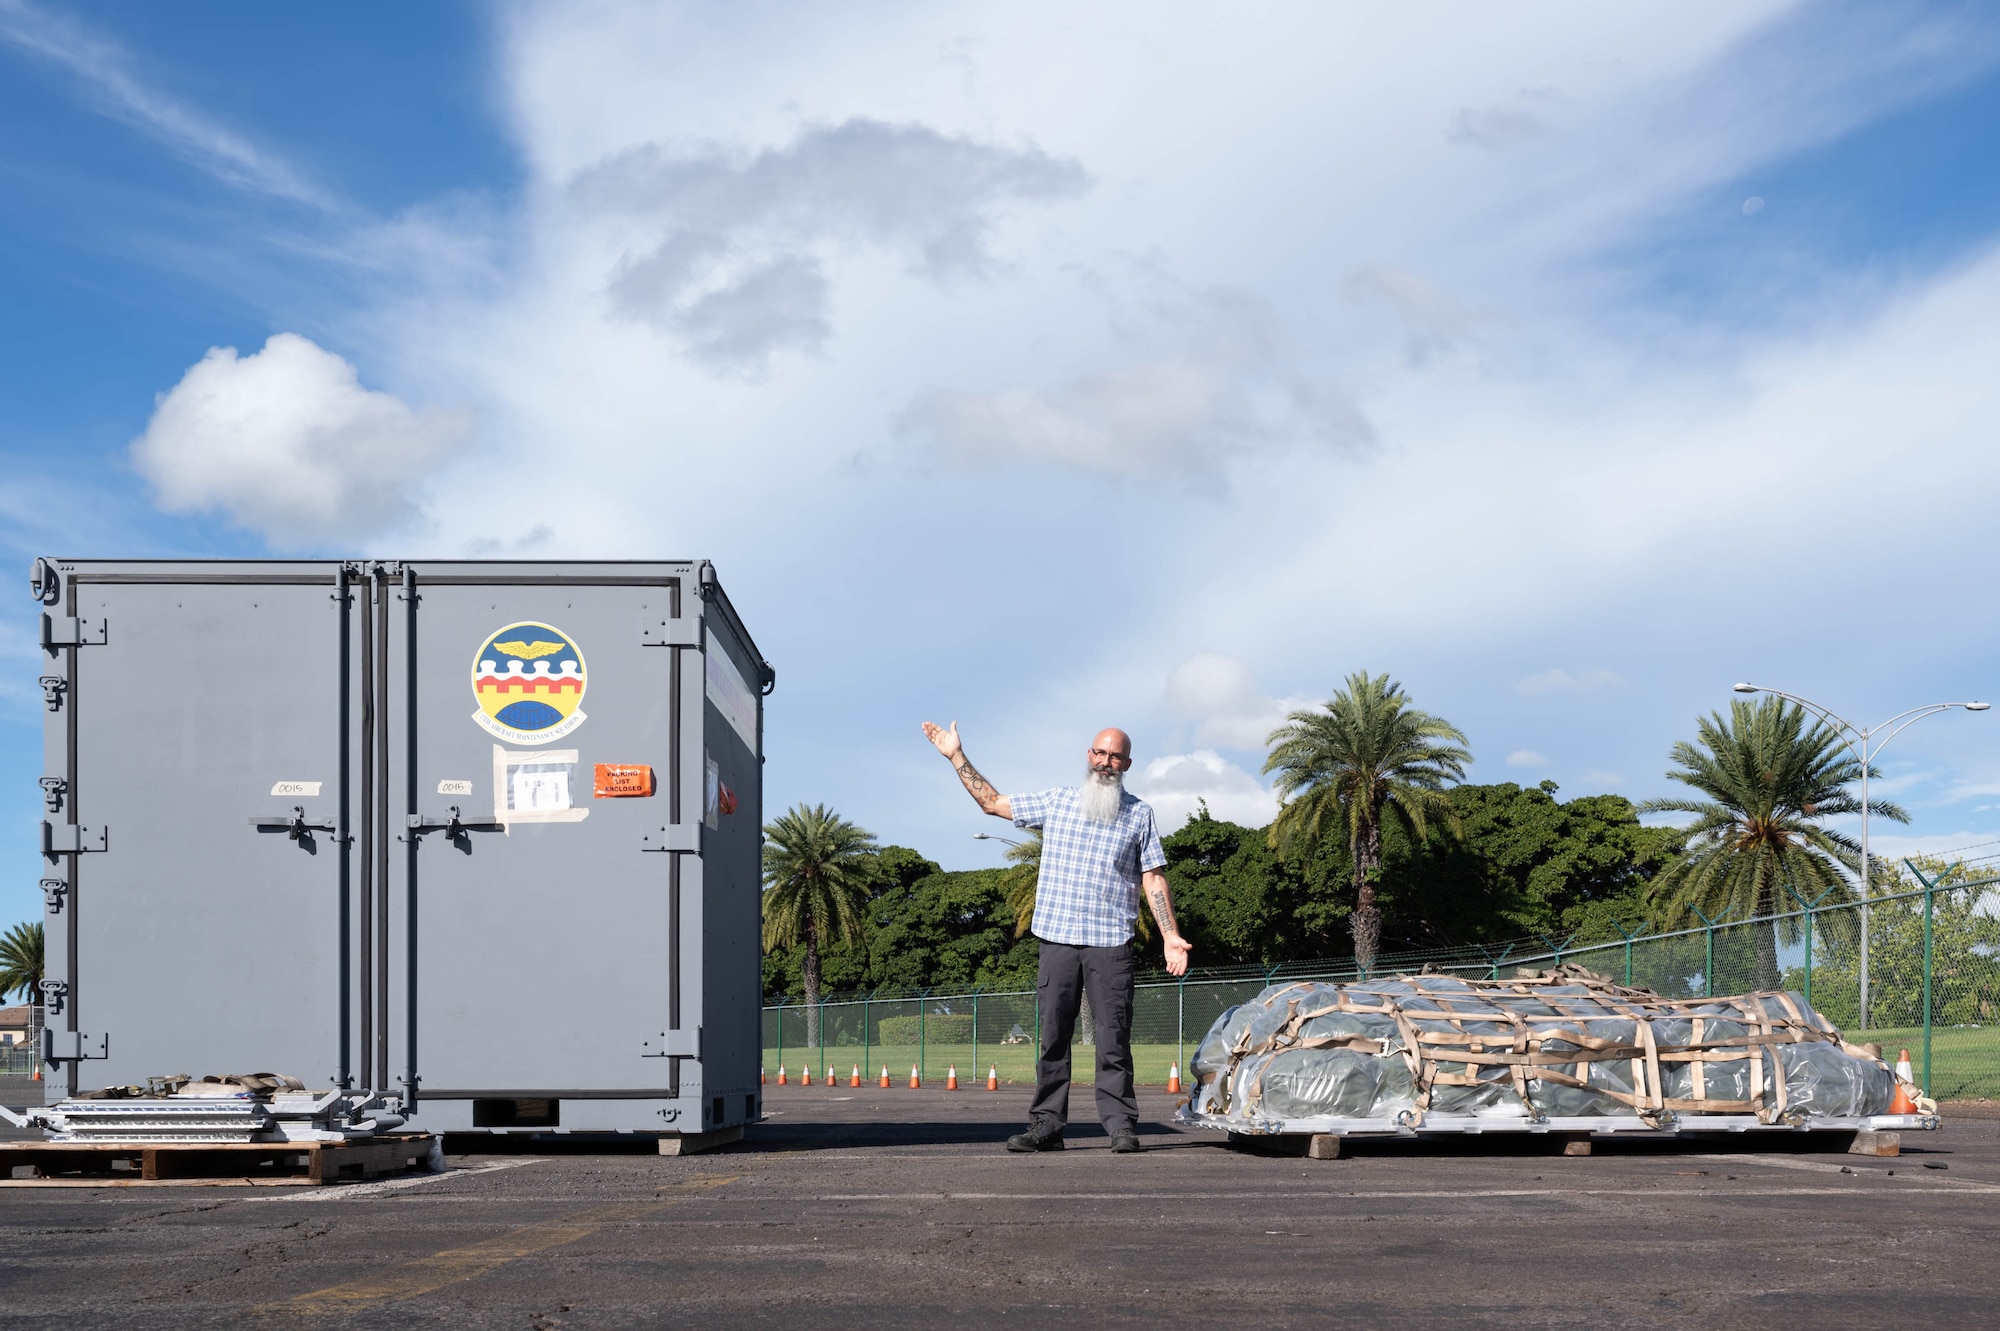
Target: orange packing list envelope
(623, 780)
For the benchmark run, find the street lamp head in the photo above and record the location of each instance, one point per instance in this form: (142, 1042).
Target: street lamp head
(1977, 706)
(1748, 688)
(984, 836)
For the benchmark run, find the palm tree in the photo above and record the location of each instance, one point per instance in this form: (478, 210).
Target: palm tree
(1766, 778)
(1022, 880)
(814, 889)
(1366, 755)
(21, 962)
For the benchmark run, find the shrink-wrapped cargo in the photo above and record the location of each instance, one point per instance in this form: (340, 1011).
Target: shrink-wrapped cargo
(1436, 1052)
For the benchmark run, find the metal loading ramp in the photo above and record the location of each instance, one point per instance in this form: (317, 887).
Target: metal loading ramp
(1567, 1051)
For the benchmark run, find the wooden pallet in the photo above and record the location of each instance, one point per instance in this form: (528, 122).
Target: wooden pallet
(195, 1164)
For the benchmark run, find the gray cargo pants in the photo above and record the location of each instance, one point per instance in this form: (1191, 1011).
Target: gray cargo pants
(1063, 976)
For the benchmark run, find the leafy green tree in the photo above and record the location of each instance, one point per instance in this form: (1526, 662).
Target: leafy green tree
(1965, 952)
(21, 956)
(1766, 779)
(1525, 864)
(1367, 755)
(815, 884)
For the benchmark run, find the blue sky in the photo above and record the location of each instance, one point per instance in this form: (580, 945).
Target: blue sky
(1156, 365)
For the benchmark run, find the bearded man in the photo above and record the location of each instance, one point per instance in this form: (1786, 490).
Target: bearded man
(1100, 850)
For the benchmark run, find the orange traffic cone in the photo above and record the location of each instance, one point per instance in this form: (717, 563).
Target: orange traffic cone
(806, 1075)
(781, 1074)
(855, 1080)
(916, 1079)
(1904, 1072)
(763, 1076)
(885, 1076)
(38, 1071)
(993, 1077)
(1174, 1080)
(1905, 1076)
(951, 1077)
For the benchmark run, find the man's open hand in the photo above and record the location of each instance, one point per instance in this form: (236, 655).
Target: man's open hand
(1177, 954)
(946, 740)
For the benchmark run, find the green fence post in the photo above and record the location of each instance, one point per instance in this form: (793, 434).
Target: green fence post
(1930, 895)
(866, 999)
(1628, 937)
(1180, 1022)
(1708, 952)
(975, 1029)
(923, 1059)
(781, 1034)
(822, 1034)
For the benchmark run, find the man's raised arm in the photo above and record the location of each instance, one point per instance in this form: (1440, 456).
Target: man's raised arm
(977, 786)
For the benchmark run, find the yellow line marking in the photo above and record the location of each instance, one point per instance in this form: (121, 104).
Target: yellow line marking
(453, 1265)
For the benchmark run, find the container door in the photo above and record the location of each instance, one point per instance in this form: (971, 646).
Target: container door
(544, 780)
(194, 761)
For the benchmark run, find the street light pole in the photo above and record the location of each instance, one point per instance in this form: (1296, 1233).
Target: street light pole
(1864, 742)
(988, 836)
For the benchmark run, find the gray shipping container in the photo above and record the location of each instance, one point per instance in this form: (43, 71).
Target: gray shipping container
(484, 835)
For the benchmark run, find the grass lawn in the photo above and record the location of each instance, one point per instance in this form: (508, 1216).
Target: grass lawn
(1965, 1059)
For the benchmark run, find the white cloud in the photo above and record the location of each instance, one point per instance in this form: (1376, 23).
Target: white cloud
(106, 74)
(1176, 786)
(1563, 681)
(1205, 380)
(289, 444)
(735, 244)
(1526, 758)
(1603, 780)
(1220, 695)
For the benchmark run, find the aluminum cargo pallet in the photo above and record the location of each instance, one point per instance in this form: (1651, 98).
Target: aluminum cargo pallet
(213, 1164)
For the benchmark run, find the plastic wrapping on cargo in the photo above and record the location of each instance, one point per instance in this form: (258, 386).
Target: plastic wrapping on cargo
(1564, 1044)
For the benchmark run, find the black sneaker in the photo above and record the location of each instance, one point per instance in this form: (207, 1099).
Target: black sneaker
(1037, 1138)
(1127, 1143)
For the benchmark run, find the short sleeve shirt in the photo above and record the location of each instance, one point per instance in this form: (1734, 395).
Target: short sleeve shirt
(1088, 894)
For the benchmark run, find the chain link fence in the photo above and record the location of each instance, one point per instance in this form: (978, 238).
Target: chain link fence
(1930, 983)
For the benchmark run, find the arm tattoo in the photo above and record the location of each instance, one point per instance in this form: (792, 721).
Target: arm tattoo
(1163, 910)
(976, 785)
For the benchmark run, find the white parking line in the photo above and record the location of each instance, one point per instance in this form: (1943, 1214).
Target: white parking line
(344, 1191)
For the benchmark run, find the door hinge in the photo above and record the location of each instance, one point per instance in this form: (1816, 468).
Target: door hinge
(682, 837)
(70, 838)
(682, 632)
(66, 1046)
(53, 891)
(672, 1044)
(69, 631)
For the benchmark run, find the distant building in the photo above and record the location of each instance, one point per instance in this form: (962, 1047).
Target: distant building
(16, 1024)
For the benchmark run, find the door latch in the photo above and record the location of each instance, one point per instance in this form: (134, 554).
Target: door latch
(53, 891)
(53, 687)
(293, 827)
(55, 993)
(53, 788)
(454, 826)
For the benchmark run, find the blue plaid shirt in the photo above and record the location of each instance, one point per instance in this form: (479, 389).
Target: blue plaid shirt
(1088, 895)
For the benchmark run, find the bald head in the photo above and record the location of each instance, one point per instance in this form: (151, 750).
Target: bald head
(1110, 751)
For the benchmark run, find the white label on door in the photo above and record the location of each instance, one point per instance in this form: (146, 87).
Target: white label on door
(543, 790)
(454, 787)
(296, 788)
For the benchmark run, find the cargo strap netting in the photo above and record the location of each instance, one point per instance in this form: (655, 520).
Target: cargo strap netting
(1562, 1043)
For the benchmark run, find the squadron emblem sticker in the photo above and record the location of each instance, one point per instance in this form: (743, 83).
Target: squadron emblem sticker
(528, 680)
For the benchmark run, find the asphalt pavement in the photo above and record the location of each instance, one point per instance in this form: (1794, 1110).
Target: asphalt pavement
(900, 1208)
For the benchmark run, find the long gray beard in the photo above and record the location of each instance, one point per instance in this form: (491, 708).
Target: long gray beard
(1101, 796)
